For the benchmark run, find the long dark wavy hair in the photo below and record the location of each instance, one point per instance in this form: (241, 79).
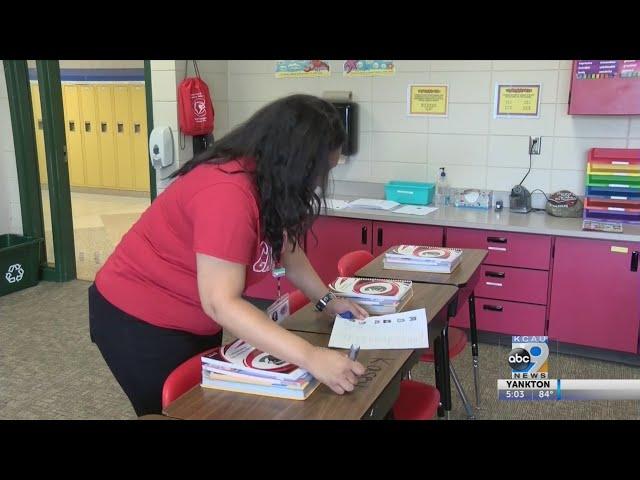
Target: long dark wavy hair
(291, 140)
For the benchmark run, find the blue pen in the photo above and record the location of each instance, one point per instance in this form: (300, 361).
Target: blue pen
(348, 315)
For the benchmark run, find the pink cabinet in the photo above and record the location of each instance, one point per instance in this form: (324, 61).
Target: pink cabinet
(498, 316)
(514, 284)
(335, 237)
(595, 295)
(388, 234)
(505, 248)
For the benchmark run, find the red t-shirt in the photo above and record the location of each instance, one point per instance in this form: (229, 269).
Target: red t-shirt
(152, 272)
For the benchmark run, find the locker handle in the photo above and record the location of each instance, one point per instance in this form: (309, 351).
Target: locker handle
(364, 235)
(136, 128)
(72, 126)
(496, 240)
(634, 261)
(87, 127)
(492, 308)
(379, 236)
(494, 274)
(120, 127)
(103, 127)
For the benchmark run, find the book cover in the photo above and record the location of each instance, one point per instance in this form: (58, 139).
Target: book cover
(424, 254)
(240, 355)
(366, 288)
(268, 391)
(214, 374)
(419, 267)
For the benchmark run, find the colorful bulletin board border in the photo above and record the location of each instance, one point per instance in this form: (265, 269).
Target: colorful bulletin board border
(517, 101)
(302, 68)
(599, 69)
(369, 68)
(428, 100)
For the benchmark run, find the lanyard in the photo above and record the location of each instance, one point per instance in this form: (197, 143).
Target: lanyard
(277, 273)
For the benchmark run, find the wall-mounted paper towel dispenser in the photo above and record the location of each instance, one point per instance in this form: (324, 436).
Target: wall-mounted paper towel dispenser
(348, 111)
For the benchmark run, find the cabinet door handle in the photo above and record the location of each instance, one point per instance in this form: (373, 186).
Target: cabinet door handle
(379, 236)
(494, 274)
(496, 240)
(634, 261)
(364, 235)
(492, 308)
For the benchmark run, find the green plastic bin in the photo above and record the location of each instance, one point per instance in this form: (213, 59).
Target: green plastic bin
(19, 262)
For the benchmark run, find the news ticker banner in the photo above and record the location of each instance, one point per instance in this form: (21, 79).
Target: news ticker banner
(528, 360)
(568, 389)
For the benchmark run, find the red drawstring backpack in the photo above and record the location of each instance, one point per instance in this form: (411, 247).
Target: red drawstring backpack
(195, 108)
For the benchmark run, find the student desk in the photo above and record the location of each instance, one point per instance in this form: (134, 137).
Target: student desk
(438, 300)
(372, 398)
(465, 277)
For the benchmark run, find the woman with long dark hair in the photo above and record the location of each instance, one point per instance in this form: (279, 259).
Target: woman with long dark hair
(232, 214)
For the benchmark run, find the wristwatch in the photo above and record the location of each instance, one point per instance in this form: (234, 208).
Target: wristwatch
(322, 303)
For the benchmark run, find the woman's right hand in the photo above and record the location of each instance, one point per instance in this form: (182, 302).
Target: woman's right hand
(335, 369)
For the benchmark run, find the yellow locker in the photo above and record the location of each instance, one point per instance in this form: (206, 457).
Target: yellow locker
(140, 138)
(124, 144)
(106, 136)
(37, 120)
(89, 128)
(73, 133)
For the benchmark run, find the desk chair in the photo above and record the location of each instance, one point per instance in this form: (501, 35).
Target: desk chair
(351, 262)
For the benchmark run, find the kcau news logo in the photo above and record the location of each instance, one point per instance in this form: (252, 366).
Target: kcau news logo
(529, 357)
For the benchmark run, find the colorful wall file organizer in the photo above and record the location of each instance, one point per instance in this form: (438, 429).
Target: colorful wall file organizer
(613, 185)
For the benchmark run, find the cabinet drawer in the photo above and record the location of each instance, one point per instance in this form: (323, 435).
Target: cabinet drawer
(505, 248)
(504, 317)
(513, 284)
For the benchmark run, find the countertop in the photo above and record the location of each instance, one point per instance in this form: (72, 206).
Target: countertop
(536, 222)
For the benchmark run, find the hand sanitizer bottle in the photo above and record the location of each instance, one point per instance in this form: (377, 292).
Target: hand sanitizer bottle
(442, 189)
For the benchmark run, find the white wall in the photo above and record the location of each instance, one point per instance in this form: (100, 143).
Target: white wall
(476, 149)
(10, 216)
(166, 75)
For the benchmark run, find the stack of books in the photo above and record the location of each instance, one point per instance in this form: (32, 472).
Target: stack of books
(377, 296)
(239, 367)
(422, 259)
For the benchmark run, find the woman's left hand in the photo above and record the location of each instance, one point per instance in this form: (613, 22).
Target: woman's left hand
(341, 305)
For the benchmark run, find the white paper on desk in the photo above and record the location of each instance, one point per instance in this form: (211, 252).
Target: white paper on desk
(415, 210)
(374, 204)
(335, 204)
(394, 331)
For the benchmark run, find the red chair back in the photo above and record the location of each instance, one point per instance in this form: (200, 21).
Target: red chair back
(351, 262)
(297, 300)
(186, 376)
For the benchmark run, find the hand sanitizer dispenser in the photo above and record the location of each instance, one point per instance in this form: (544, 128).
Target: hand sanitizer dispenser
(161, 155)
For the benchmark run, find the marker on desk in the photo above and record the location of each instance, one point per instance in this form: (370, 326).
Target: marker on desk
(353, 352)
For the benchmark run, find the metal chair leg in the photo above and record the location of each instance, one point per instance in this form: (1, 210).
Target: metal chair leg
(463, 396)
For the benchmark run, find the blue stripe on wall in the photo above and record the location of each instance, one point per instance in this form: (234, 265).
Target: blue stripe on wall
(96, 74)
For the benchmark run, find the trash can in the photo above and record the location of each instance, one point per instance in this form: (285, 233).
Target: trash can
(19, 262)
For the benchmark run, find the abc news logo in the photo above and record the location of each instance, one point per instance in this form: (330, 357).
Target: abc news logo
(520, 359)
